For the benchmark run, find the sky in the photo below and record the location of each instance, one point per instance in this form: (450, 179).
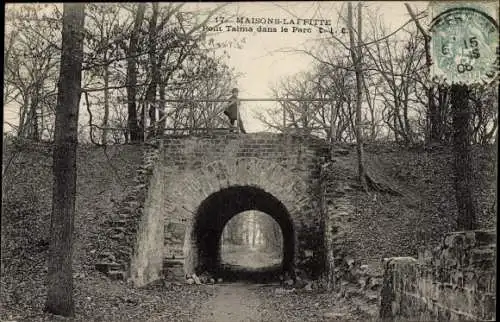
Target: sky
(263, 60)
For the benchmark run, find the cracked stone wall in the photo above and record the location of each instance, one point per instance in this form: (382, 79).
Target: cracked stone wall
(455, 281)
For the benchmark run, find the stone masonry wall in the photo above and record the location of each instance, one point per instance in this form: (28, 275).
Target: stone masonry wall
(455, 281)
(285, 166)
(120, 233)
(146, 262)
(178, 174)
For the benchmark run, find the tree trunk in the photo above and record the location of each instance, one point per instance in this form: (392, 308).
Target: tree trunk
(356, 55)
(162, 111)
(33, 116)
(155, 73)
(21, 131)
(432, 108)
(466, 216)
(134, 131)
(434, 130)
(106, 106)
(60, 273)
(332, 124)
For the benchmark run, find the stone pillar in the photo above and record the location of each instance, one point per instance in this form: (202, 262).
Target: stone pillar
(147, 260)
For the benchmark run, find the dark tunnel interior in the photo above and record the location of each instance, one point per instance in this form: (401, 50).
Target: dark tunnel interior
(215, 212)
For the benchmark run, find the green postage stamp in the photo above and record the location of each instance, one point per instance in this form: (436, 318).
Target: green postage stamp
(464, 43)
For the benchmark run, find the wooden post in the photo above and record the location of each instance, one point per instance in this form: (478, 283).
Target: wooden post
(284, 116)
(238, 114)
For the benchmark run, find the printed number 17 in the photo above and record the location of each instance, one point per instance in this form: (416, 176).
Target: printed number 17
(219, 19)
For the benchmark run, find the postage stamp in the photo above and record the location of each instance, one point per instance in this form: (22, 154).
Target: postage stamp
(464, 45)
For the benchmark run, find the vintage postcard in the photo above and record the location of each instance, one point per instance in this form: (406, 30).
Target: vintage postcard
(250, 161)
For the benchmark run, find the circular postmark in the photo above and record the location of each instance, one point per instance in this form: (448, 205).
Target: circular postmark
(464, 47)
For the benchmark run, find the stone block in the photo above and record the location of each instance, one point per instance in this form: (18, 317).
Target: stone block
(117, 229)
(119, 223)
(116, 275)
(106, 257)
(102, 267)
(485, 238)
(485, 283)
(453, 284)
(480, 255)
(125, 215)
(119, 236)
(488, 304)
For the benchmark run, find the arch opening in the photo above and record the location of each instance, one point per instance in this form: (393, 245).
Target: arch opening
(252, 240)
(218, 209)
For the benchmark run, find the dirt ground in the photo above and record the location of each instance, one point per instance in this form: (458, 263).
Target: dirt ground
(241, 302)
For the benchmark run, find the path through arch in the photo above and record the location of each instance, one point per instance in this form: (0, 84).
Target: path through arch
(216, 211)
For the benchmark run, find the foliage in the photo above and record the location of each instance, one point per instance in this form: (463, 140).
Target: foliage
(173, 57)
(400, 104)
(31, 61)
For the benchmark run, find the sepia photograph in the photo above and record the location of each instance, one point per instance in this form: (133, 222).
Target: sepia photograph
(250, 161)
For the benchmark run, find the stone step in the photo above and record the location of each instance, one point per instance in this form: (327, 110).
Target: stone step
(132, 203)
(119, 236)
(173, 261)
(372, 297)
(106, 256)
(173, 273)
(116, 275)
(106, 267)
(117, 229)
(120, 223)
(124, 250)
(486, 238)
(125, 215)
(483, 254)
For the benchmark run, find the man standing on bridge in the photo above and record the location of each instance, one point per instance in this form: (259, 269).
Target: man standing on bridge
(232, 111)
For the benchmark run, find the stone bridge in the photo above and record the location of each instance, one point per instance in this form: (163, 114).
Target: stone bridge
(190, 187)
(198, 184)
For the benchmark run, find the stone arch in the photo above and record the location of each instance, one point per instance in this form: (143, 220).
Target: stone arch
(214, 213)
(191, 187)
(187, 191)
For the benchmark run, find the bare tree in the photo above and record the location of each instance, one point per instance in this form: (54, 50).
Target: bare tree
(132, 50)
(330, 117)
(396, 63)
(138, 48)
(60, 272)
(31, 60)
(103, 33)
(357, 58)
(433, 114)
(466, 217)
(484, 115)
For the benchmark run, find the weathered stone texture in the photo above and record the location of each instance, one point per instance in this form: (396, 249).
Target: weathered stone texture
(286, 167)
(147, 260)
(455, 281)
(181, 173)
(123, 225)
